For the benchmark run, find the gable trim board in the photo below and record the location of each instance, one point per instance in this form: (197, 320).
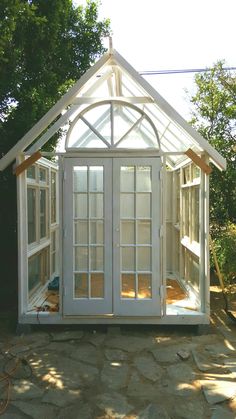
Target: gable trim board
(71, 98)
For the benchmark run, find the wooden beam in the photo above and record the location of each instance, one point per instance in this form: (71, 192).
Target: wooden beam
(27, 163)
(198, 161)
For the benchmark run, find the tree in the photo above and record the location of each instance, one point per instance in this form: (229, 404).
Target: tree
(45, 46)
(214, 116)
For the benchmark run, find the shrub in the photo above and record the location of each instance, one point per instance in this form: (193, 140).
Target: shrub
(224, 242)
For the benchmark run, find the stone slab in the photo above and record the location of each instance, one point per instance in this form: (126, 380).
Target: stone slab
(153, 411)
(96, 339)
(191, 409)
(37, 410)
(148, 367)
(131, 343)
(116, 355)
(86, 353)
(217, 391)
(67, 335)
(61, 398)
(9, 415)
(77, 411)
(202, 360)
(166, 354)
(61, 347)
(139, 389)
(24, 390)
(114, 375)
(181, 373)
(222, 413)
(62, 372)
(114, 405)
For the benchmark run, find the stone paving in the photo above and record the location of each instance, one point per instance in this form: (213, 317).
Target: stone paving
(120, 372)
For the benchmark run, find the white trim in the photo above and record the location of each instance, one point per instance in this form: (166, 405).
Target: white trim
(132, 99)
(181, 317)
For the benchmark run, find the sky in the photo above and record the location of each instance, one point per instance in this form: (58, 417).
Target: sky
(172, 34)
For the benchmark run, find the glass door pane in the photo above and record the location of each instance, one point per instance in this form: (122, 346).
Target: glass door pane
(88, 192)
(87, 243)
(136, 236)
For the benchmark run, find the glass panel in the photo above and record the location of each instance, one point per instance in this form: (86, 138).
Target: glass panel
(127, 205)
(196, 214)
(128, 286)
(81, 232)
(33, 272)
(96, 205)
(38, 269)
(196, 171)
(144, 286)
(96, 179)
(42, 213)
(31, 202)
(128, 261)
(80, 179)
(97, 285)
(96, 232)
(53, 198)
(186, 192)
(143, 205)
(96, 258)
(31, 172)
(127, 232)
(42, 174)
(80, 205)
(186, 175)
(53, 241)
(81, 285)
(127, 179)
(144, 232)
(81, 258)
(124, 118)
(99, 117)
(144, 258)
(143, 180)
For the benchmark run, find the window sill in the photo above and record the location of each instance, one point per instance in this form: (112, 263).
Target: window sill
(36, 247)
(193, 247)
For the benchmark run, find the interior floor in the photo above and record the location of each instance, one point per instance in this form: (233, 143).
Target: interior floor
(176, 296)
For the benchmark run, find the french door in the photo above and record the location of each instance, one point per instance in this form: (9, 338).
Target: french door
(111, 249)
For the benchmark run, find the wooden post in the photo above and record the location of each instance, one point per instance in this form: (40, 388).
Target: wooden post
(27, 163)
(198, 161)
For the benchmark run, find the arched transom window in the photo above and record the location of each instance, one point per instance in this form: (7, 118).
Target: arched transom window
(112, 124)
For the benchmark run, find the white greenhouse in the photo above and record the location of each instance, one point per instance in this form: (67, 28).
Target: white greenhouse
(114, 229)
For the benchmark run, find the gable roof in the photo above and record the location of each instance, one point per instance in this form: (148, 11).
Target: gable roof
(113, 78)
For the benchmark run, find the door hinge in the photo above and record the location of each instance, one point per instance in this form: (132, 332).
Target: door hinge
(64, 175)
(64, 291)
(160, 175)
(64, 232)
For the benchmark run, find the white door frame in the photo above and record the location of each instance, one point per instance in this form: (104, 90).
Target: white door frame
(85, 306)
(112, 303)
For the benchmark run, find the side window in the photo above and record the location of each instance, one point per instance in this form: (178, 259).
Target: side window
(37, 204)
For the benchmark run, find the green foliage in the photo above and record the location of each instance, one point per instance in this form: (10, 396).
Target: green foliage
(45, 46)
(225, 248)
(214, 116)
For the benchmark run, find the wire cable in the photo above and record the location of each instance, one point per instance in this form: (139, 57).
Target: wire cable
(181, 71)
